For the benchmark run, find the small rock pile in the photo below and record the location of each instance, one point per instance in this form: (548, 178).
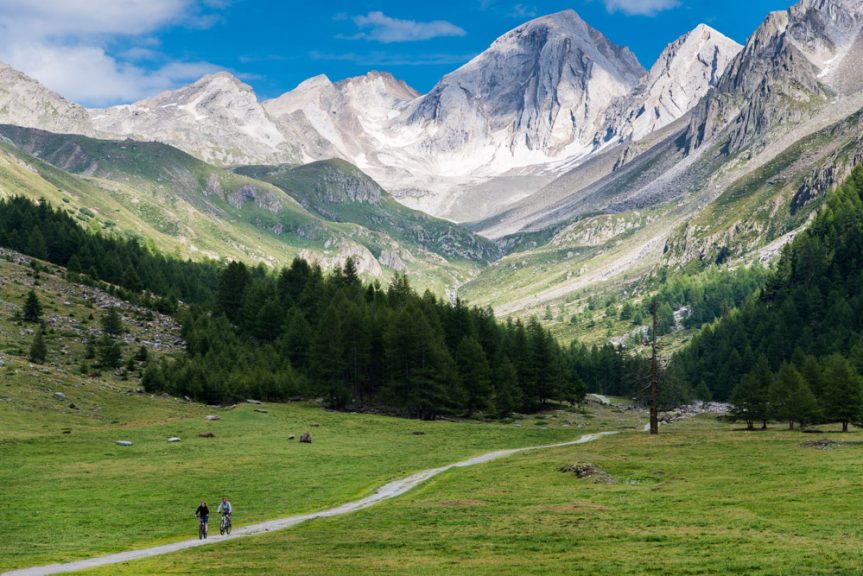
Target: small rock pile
(821, 444)
(587, 470)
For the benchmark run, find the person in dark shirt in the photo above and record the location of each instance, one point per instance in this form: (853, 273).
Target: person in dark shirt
(203, 512)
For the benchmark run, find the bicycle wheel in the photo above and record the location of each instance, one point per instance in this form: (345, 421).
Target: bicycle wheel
(228, 528)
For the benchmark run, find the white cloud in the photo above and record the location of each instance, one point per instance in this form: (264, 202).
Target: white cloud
(67, 45)
(523, 11)
(379, 27)
(640, 7)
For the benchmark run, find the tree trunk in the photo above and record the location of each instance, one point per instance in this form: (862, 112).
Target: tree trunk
(764, 424)
(845, 425)
(791, 424)
(750, 425)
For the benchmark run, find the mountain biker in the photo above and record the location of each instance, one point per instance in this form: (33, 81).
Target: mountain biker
(225, 508)
(203, 512)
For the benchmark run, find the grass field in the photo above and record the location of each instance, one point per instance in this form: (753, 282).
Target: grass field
(702, 498)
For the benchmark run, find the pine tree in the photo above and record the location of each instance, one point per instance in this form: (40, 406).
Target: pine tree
(112, 323)
(750, 398)
(32, 311)
(843, 398)
(790, 397)
(38, 349)
(507, 396)
(109, 353)
(295, 339)
(702, 392)
(627, 311)
(418, 366)
(327, 359)
(475, 374)
(350, 275)
(36, 246)
(233, 283)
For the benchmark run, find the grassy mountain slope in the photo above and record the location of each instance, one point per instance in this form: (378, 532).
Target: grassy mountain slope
(337, 190)
(185, 206)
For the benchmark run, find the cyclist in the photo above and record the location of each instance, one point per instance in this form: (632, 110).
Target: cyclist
(225, 508)
(203, 512)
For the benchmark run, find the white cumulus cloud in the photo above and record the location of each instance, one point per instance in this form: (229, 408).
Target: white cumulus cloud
(68, 45)
(379, 27)
(640, 7)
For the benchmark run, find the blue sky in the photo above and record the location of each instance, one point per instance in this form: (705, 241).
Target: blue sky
(101, 52)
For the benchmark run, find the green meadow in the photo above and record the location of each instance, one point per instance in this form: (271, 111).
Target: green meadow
(702, 498)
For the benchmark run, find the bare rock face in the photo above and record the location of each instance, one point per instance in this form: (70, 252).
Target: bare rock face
(26, 102)
(218, 119)
(681, 76)
(259, 197)
(792, 65)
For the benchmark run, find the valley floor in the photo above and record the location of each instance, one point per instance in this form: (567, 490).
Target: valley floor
(702, 498)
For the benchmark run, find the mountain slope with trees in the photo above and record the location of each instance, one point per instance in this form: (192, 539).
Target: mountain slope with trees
(808, 320)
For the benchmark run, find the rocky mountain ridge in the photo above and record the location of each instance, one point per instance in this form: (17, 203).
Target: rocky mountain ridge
(540, 95)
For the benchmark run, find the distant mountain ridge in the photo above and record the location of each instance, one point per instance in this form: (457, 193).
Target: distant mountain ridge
(549, 91)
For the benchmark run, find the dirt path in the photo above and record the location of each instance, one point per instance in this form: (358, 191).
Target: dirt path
(386, 492)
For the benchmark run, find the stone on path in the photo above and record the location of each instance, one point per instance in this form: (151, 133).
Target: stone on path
(306, 438)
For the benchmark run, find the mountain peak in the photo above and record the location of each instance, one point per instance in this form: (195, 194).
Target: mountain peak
(24, 101)
(313, 83)
(680, 77)
(222, 80)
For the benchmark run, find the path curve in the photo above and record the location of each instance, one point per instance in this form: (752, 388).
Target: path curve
(386, 492)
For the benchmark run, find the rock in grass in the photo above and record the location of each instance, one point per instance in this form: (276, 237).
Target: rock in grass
(124, 443)
(262, 411)
(213, 417)
(306, 438)
(173, 439)
(291, 437)
(206, 435)
(59, 396)
(253, 401)
(418, 433)
(587, 470)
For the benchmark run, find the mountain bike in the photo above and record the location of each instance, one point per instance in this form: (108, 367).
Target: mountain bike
(202, 529)
(225, 524)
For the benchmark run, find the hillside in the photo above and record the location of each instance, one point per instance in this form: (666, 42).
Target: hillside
(811, 306)
(182, 205)
(338, 191)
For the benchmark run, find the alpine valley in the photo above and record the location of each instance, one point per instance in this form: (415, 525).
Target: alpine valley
(560, 314)
(550, 163)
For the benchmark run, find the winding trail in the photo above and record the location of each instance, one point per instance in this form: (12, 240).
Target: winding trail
(386, 492)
